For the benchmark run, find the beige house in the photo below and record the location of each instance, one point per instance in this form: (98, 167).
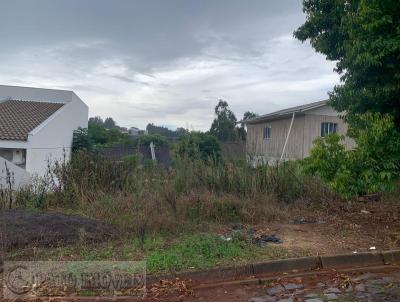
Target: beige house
(289, 133)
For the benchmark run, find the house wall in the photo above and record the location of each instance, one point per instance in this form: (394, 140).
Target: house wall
(273, 147)
(35, 94)
(306, 128)
(52, 140)
(312, 130)
(19, 176)
(6, 153)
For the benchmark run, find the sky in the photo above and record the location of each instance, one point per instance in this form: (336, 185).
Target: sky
(166, 62)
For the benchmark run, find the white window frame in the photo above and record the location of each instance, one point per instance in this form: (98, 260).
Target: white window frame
(328, 128)
(267, 132)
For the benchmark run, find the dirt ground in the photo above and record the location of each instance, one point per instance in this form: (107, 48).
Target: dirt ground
(339, 228)
(316, 230)
(21, 228)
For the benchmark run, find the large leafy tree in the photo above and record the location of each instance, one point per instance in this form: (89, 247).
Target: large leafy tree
(109, 123)
(224, 124)
(363, 36)
(241, 130)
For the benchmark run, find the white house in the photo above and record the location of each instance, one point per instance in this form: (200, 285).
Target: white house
(37, 126)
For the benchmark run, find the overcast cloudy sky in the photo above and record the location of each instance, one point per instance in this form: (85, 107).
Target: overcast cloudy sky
(164, 61)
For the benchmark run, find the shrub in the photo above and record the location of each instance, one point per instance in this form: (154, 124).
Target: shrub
(373, 166)
(197, 145)
(326, 157)
(132, 160)
(81, 140)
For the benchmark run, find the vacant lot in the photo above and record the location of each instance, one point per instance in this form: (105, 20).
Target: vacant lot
(334, 229)
(194, 215)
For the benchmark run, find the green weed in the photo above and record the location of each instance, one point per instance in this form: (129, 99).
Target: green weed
(197, 252)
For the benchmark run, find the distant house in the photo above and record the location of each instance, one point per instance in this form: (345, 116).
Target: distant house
(289, 133)
(123, 130)
(36, 126)
(133, 131)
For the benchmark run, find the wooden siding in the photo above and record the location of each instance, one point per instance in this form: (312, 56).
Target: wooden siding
(306, 128)
(312, 130)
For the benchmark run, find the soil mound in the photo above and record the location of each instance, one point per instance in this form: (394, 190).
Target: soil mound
(19, 228)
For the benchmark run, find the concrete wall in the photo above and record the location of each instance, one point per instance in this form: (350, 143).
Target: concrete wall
(52, 140)
(306, 128)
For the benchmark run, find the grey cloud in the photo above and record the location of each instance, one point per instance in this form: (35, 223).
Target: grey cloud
(163, 61)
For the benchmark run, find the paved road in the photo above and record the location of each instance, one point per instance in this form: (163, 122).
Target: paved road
(378, 284)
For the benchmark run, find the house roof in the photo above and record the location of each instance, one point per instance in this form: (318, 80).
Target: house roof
(285, 113)
(18, 118)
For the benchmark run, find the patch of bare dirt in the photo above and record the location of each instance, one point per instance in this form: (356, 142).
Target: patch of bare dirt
(337, 227)
(19, 228)
(343, 227)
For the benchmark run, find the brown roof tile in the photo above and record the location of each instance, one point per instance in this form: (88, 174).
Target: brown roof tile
(18, 118)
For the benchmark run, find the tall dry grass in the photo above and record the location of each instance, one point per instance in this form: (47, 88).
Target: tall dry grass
(143, 199)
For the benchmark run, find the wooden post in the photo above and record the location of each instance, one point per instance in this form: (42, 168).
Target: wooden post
(153, 153)
(287, 137)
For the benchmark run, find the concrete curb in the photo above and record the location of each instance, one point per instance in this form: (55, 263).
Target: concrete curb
(286, 265)
(280, 266)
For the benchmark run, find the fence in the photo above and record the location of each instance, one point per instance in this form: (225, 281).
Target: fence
(234, 150)
(162, 153)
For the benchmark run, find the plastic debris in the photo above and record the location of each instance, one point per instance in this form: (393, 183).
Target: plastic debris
(263, 240)
(303, 220)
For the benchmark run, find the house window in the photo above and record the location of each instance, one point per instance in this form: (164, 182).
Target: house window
(267, 132)
(328, 128)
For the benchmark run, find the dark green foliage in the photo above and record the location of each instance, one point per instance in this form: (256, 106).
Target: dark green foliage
(96, 120)
(109, 123)
(326, 157)
(249, 115)
(145, 140)
(98, 134)
(373, 166)
(81, 140)
(364, 37)
(224, 124)
(164, 131)
(197, 145)
(241, 130)
(132, 160)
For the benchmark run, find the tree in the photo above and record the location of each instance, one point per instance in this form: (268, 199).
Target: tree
(96, 120)
(224, 124)
(241, 130)
(81, 140)
(249, 115)
(373, 166)
(363, 36)
(164, 131)
(109, 123)
(198, 145)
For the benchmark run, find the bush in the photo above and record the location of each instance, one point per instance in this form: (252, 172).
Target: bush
(197, 145)
(81, 140)
(132, 160)
(326, 158)
(373, 166)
